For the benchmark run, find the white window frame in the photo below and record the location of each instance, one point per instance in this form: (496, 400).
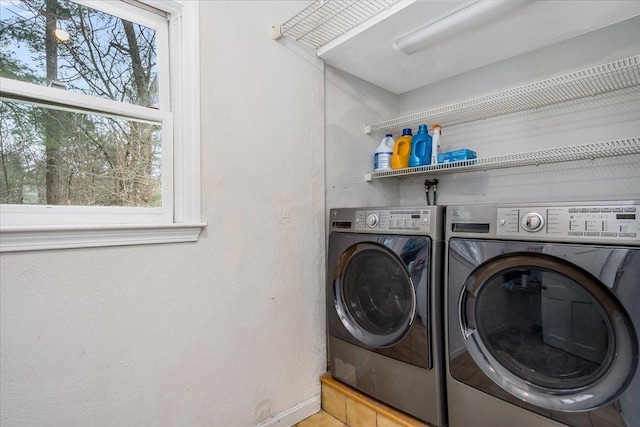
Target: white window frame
(39, 227)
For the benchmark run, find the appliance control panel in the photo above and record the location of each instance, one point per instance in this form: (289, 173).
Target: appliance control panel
(619, 223)
(393, 220)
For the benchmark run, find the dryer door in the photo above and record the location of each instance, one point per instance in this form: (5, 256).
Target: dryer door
(373, 294)
(547, 331)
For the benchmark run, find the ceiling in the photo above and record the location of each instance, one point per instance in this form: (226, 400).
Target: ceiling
(367, 51)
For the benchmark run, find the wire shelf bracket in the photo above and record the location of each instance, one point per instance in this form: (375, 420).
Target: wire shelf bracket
(326, 20)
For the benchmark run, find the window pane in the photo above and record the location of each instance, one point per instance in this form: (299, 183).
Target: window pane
(63, 44)
(57, 157)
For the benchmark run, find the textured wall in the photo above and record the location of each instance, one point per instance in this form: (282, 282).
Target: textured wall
(228, 331)
(350, 104)
(596, 119)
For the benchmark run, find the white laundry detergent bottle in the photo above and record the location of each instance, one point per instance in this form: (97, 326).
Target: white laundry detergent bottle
(435, 145)
(382, 156)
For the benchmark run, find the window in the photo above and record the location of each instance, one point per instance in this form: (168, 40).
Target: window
(99, 123)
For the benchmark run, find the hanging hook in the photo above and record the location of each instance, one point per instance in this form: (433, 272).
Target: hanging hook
(426, 190)
(434, 183)
(427, 186)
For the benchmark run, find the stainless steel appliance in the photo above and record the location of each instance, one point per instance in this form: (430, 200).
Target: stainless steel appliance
(384, 306)
(543, 309)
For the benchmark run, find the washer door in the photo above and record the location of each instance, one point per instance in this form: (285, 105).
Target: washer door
(547, 332)
(374, 295)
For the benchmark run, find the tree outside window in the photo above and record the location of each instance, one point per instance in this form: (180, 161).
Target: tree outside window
(99, 123)
(56, 155)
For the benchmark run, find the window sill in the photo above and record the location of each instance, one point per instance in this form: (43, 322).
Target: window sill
(16, 239)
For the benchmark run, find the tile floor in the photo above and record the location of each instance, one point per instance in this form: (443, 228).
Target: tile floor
(343, 406)
(321, 419)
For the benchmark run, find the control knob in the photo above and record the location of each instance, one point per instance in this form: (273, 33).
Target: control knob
(532, 221)
(372, 220)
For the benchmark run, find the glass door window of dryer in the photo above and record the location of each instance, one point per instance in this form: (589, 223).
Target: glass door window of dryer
(544, 327)
(374, 295)
(548, 326)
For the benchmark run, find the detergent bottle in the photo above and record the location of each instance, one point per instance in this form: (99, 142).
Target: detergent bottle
(435, 145)
(382, 156)
(401, 150)
(420, 148)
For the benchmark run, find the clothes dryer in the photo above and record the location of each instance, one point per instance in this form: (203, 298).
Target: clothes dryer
(543, 309)
(384, 306)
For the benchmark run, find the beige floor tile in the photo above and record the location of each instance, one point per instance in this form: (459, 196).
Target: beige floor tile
(358, 415)
(334, 402)
(321, 419)
(383, 421)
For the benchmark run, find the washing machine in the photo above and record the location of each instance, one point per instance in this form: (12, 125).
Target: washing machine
(384, 293)
(543, 314)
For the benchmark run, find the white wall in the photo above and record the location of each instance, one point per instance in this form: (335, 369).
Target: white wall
(601, 118)
(228, 331)
(351, 103)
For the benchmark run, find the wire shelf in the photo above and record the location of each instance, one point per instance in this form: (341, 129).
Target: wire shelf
(609, 77)
(325, 20)
(592, 151)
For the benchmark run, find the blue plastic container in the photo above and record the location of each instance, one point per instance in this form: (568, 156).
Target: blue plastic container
(420, 148)
(456, 156)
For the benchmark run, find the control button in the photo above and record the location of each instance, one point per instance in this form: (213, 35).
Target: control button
(617, 210)
(606, 234)
(502, 221)
(425, 220)
(629, 209)
(372, 220)
(591, 233)
(573, 210)
(627, 234)
(575, 233)
(584, 210)
(594, 210)
(605, 210)
(532, 221)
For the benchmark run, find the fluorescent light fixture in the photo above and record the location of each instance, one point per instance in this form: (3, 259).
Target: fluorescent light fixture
(467, 18)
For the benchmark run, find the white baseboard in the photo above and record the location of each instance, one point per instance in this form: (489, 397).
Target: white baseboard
(294, 415)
